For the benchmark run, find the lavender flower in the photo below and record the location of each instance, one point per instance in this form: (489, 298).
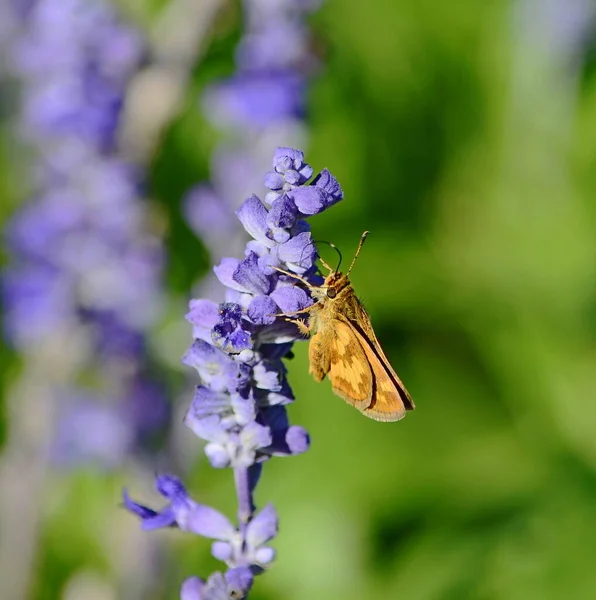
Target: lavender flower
(82, 264)
(239, 407)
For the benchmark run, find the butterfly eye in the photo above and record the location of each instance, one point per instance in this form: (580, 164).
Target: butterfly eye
(331, 293)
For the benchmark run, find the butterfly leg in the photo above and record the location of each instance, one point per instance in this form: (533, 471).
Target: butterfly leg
(302, 311)
(302, 327)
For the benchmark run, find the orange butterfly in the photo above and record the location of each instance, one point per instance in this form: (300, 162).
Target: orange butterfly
(343, 345)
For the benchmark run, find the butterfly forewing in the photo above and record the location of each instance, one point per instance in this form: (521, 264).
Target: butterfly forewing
(390, 399)
(350, 373)
(376, 356)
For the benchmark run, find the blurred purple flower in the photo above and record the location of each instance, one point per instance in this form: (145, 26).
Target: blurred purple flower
(81, 260)
(262, 104)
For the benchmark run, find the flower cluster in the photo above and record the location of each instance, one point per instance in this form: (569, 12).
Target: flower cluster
(240, 407)
(82, 264)
(261, 104)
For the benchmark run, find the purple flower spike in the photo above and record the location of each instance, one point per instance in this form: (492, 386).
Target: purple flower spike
(81, 262)
(239, 407)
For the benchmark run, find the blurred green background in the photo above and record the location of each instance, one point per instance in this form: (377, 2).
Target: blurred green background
(464, 138)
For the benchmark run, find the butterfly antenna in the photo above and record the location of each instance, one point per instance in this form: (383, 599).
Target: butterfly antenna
(357, 251)
(338, 252)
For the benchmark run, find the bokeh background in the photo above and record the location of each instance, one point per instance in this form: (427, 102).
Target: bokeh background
(464, 137)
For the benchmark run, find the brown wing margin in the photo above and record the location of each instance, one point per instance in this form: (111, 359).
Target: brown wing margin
(390, 399)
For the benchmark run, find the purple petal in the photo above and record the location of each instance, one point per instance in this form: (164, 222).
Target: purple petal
(207, 428)
(297, 439)
(170, 487)
(207, 214)
(138, 509)
(203, 314)
(230, 333)
(207, 402)
(273, 181)
(240, 340)
(219, 457)
(299, 252)
(253, 215)
(222, 551)
(264, 556)
(280, 235)
(276, 418)
(267, 261)
(309, 200)
(306, 172)
(272, 398)
(255, 436)
(286, 440)
(216, 588)
(327, 182)
(257, 247)
(292, 177)
(263, 527)
(290, 298)
(283, 213)
(225, 273)
(244, 409)
(215, 368)
(300, 227)
(283, 157)
(167, 518)
(208, 522)
(255, 99)
(271, 197)
(248, 275)
(193, 588)
(230, 312)
(262, 310)
(267, 375)
(239, 581)
(233, 343)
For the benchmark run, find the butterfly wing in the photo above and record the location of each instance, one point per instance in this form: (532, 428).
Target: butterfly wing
(390, 399)
(334, 350)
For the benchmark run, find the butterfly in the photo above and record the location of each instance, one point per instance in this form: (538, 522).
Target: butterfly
(343, 346)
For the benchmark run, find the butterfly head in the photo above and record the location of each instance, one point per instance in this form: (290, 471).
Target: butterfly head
(334, 283)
